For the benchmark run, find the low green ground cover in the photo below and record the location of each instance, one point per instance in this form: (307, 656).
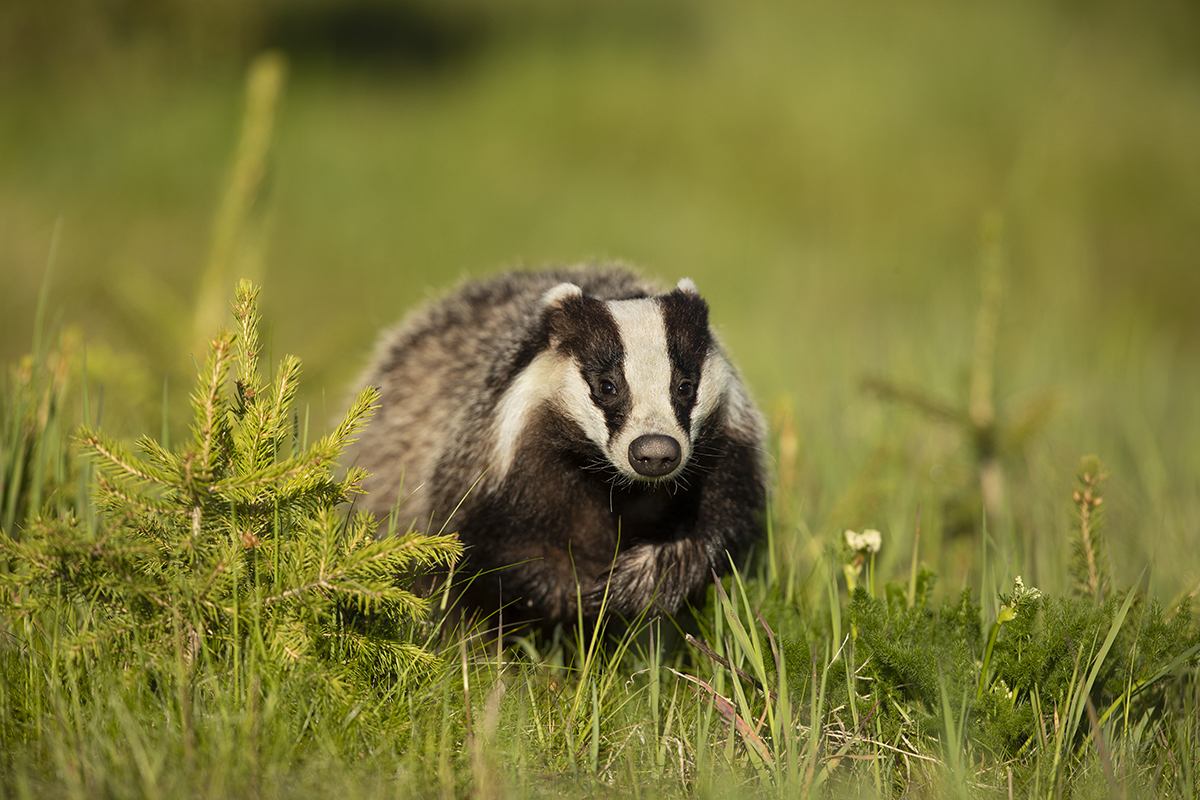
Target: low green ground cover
(205, 621)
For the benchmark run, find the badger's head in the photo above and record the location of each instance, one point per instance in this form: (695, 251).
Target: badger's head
(638, 377)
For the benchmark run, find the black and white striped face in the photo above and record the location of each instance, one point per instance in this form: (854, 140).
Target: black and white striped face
(638, 377)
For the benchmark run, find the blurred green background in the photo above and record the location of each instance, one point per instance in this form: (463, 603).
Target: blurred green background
(823, 171)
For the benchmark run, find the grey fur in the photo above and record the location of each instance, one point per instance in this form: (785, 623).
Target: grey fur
(544, 533)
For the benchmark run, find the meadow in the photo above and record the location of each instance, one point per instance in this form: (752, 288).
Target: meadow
(953, 249)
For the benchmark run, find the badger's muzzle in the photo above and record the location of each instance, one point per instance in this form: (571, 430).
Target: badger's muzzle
(654, 455)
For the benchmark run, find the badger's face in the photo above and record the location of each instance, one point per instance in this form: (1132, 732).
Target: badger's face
(638, 377)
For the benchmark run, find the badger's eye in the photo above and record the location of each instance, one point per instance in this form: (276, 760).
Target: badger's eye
(685, 389)
(608, 388)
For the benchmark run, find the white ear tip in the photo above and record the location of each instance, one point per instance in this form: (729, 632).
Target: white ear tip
(560, 293)
(688, 286)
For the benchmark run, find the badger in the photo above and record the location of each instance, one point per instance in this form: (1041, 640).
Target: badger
(582, 431)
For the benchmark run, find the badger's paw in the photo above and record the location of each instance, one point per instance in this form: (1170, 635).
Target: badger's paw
(654, 577)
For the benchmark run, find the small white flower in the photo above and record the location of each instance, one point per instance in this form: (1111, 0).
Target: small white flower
(1021, 593)
(869, 541)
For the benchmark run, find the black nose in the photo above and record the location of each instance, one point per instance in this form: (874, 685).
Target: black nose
(654, 455)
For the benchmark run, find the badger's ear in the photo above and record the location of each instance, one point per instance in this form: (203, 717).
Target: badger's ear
(559, 294)
(556, 313)
(687, 286)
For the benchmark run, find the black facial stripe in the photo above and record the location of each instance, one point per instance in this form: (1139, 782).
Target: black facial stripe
(584, 328)
(688, 343)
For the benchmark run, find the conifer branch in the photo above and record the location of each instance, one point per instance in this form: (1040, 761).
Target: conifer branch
(115, 456)
(1090, 568)
(245, 311)
(207, 401)
(165, 461)
(180, 535)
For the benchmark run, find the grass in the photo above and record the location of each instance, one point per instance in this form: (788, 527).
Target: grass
(848, 188)
(159, 639)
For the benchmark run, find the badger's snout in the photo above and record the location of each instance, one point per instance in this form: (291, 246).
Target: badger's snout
(654, 455)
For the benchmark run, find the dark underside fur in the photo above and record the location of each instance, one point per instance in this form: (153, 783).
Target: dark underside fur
(562, 524)
(572, 532)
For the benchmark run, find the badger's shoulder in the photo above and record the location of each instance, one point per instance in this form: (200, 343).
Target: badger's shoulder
(602, 281)
(482, 318)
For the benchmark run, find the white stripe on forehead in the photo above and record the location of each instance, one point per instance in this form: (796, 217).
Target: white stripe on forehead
(647, 361)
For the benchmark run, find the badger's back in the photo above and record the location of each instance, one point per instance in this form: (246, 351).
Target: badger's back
(583, 434)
